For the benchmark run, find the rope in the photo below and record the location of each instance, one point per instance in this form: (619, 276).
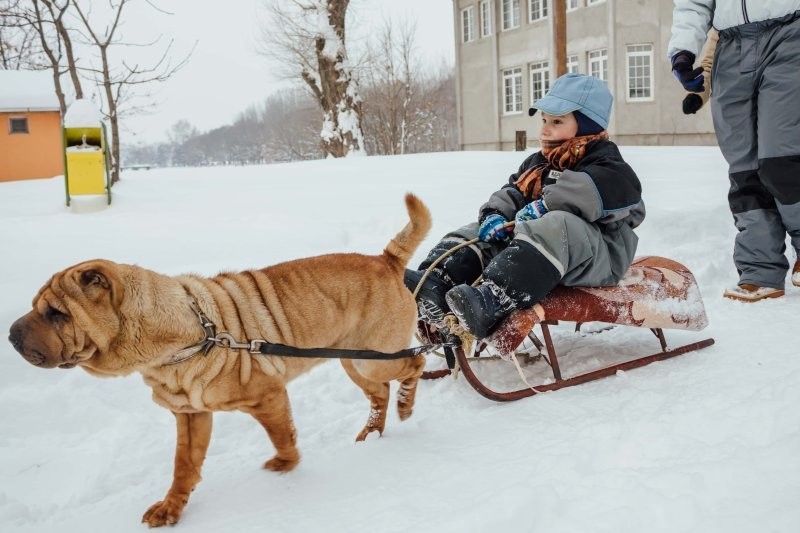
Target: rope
(466, 341)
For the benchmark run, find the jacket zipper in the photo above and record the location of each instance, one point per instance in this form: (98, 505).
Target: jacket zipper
(744, 12)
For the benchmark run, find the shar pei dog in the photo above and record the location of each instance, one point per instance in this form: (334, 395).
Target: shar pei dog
(112, 319)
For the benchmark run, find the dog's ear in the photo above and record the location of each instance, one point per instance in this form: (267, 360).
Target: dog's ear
(97, 278)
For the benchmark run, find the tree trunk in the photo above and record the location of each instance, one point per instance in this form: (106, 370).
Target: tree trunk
(341, 129)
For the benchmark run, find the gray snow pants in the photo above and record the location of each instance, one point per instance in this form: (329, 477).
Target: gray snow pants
(755, 104)
(558, 249)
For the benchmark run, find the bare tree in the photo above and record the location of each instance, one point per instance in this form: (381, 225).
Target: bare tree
(390, 89)
(17, 38)
(118, 81)
(309, 36)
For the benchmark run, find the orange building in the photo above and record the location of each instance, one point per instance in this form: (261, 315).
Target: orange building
(31, 145)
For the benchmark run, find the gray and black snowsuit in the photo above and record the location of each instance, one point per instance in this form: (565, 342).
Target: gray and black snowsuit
(585, 239)
(755, 104)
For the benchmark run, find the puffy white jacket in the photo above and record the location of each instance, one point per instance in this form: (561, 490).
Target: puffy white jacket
(691, 19)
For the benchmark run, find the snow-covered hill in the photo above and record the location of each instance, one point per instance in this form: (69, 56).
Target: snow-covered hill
(708, 441)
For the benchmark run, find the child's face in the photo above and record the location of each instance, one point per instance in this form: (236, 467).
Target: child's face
(558, 128)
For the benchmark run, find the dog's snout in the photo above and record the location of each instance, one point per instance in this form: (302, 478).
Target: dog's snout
(15, 336)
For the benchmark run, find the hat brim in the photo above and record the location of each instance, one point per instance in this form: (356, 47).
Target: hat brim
(553, 105)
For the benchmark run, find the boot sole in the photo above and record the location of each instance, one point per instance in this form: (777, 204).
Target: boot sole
(754, 298)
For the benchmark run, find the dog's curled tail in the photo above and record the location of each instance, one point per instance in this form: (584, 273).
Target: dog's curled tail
(402, 247)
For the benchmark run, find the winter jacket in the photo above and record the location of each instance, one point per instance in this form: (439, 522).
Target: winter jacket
(602, 189)
(691, 19)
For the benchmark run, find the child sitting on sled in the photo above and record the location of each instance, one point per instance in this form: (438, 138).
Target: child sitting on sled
(575, 204)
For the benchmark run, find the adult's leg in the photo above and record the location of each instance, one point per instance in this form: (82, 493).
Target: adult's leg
(759, 245)
(778, 123)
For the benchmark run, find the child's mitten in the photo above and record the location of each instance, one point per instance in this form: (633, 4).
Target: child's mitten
(492, 228)
(535, 209)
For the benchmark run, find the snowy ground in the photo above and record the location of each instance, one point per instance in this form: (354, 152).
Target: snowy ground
(704, 442)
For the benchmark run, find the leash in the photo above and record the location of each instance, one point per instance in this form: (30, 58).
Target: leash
(261, 347)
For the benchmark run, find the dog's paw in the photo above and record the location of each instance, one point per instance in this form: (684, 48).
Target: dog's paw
(163, 513)
(366, 431)
(281, 464)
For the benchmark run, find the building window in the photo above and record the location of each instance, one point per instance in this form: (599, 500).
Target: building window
(468, 24)
(572, 5)
(598, 64)
(572, 64)
(510, 14)
(540, 80)
(18, 125)
(512, 89)
(537, 10)
(592, 2)
(640, 72)
(486, 18)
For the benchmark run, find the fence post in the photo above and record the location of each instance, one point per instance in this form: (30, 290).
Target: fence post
(522, 141)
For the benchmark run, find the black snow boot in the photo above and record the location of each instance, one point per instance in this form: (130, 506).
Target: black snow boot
(479, 309)
(430, 298)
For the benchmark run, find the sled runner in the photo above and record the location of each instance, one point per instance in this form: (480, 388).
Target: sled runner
(657, 293)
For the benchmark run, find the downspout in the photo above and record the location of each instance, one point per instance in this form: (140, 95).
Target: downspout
(459, 84)
(612, 60)
(496, 75)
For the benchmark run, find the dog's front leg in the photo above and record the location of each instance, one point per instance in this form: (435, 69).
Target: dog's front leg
(194, 434)
(275, 414)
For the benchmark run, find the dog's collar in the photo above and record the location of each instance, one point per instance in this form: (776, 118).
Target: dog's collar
(210, 340)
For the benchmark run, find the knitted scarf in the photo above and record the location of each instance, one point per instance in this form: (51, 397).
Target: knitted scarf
(560, 155)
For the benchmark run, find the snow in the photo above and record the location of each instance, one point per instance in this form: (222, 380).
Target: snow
(708, 441)
(27, 90)
(82, 113)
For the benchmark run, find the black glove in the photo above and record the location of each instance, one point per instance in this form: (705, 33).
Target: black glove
(691, 79)
(692, 104)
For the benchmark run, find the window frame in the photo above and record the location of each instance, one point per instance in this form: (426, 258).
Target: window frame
(594, 2)
(573, 60)
(543, 68)
(541, 12)
(23, 120)
(468, 24)
(602, 58)
(511, 12)
(630, 53)
(513, 74)
(577, 4)
(485, 10)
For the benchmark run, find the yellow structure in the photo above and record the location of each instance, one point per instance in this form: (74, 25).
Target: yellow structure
(86, 161)
(30, 126)
(86, 156)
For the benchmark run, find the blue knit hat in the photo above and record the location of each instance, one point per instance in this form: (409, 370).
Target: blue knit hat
(577, 92)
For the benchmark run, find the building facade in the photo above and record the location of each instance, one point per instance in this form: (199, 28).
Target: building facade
(30, 126)
(505, 61)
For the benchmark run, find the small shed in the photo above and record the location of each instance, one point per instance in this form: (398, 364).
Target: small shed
(30, 126)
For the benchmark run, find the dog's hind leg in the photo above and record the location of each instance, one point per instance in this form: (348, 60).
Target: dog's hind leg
(407, 392)
(376, 390)
(194, 434)
(275, 414)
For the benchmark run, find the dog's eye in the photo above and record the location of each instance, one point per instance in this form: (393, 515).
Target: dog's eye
(54, 314)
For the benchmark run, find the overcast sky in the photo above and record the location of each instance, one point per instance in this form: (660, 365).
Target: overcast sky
(226, 74)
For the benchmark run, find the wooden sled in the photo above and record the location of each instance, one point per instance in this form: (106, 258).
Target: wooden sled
(657, 293)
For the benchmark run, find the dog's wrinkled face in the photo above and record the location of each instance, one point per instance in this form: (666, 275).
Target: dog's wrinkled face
(73, 319)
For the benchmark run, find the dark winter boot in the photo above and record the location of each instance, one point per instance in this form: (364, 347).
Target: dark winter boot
(481, 308)
(430, 298)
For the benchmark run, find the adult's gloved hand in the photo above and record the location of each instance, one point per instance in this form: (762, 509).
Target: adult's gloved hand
(492, 228)
(691, 79)
(692, 104)
(535, 209)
